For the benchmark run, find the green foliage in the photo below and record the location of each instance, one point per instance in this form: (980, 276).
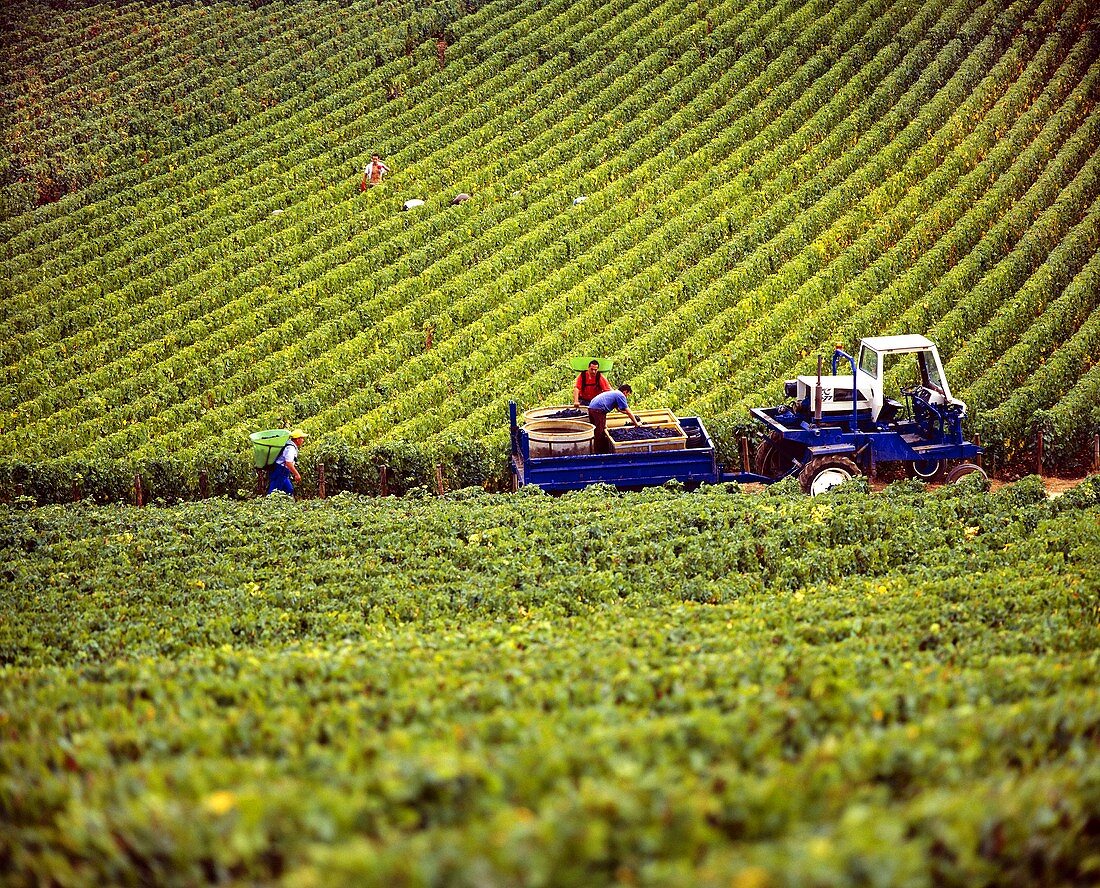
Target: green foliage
(652, 688)
(1083, 496)
(187, 75)
(763, 180)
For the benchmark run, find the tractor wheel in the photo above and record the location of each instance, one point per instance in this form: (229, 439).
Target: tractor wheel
(926, 469)
(773, 457)
(962, 470)
(824, 472)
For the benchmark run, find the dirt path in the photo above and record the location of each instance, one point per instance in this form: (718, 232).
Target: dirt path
(1055, 486)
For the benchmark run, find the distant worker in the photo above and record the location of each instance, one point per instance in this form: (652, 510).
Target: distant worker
(285, 465)
(373, 172)
(589, 383)
(603, 404)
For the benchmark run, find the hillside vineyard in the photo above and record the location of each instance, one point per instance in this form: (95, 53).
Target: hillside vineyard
(187, 256)
(410, 674)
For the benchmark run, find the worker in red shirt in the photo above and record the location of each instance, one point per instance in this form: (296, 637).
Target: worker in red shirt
(589, 383)
(373, 172)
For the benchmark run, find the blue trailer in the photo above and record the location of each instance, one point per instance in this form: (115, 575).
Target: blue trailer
(696, 464)
(834, 428)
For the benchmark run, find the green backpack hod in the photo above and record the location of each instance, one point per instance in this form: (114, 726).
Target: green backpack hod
(267, 445)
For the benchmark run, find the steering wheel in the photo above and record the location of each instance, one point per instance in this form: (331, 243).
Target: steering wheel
(915, 391)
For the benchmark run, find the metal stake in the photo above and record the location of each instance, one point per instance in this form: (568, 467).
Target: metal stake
(817, 397)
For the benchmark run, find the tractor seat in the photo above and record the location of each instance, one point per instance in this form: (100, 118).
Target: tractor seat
(889, 411)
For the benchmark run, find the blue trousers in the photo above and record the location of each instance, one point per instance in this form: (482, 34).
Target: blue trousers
(280, 480)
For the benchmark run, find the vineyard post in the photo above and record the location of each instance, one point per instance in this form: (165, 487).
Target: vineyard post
(204, 485)
(744, 453)
(76, 491)
(383, 481)
(817, 396)
(1039, 455)
(139, 493)
(259, 482)
(439, 479)
(978, 441)
(321, 480)
(1096, 452)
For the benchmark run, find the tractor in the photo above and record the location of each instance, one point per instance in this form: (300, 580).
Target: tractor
(894, 407)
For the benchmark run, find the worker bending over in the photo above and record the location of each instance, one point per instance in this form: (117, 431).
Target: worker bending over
(603, 404)
(590, 383)
(285, 467)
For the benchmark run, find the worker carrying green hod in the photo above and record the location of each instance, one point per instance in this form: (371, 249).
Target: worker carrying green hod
(285, 465)
(603, 404)
(373, 172)
(590, 383)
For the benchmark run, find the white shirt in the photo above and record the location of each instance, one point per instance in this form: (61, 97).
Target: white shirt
(372, 167)
(289, 454)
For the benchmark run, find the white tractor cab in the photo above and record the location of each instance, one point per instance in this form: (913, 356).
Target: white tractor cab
(910, 363)
(890, 370)
(894, 406)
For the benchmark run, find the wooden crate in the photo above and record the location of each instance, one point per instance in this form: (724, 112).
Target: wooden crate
(652, 445)
(648, 417)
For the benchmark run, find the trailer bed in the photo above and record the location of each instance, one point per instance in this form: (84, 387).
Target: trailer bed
(695, 464)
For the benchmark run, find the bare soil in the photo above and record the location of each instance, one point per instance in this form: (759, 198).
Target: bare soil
(1055, 486)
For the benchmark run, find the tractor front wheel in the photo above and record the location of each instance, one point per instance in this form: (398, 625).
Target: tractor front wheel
(926, 469)
(825, 472)
(963, 470)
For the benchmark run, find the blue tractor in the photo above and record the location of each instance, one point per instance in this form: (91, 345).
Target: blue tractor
(894, 406)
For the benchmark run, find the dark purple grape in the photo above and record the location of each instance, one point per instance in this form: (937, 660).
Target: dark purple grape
(642, 433)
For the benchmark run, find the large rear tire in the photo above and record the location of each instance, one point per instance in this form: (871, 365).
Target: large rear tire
(826, 472)
(774, 457)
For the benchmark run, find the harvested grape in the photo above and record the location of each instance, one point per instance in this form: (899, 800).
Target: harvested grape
(642, 433)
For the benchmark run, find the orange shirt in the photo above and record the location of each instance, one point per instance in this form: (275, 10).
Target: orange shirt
(374, 171)
(591, 387)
